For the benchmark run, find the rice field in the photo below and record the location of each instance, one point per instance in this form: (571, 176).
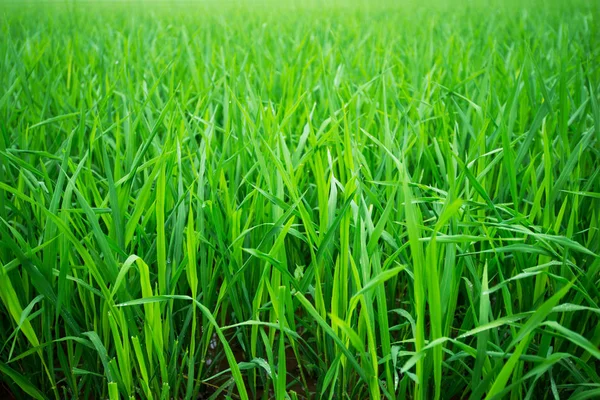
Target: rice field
(300, 200)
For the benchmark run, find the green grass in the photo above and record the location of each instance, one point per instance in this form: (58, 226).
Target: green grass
(299, 201)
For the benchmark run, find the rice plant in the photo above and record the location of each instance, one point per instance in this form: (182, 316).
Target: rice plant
(260, 200)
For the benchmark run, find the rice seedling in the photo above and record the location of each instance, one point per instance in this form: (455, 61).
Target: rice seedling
(340, 200)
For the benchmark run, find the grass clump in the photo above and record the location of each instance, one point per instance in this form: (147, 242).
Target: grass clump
(281, 201)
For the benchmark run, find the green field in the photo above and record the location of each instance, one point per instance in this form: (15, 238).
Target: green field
(254, 200)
